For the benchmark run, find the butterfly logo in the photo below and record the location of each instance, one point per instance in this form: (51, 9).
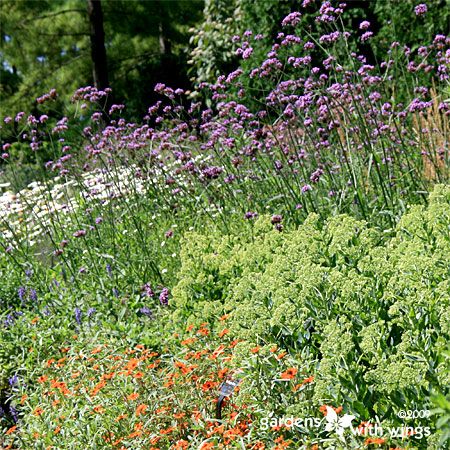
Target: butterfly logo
(337, 424)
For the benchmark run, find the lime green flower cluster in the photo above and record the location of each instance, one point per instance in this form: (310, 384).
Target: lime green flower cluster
(371, 308)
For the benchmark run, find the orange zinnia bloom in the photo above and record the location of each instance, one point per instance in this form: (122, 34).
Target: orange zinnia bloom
(323, 409)
(224, 332)
(42, 379)
(289, 374)
(208, 386)
(378, 441)
(38, 411)
(255, 349)
(207, 446)
(141, 409)
(99, 409)
(12, 429)
(133, 396)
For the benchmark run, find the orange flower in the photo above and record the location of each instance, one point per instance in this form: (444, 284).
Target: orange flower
(179, 415)
(141, 409)
(42, 379)
(207, 446)
(23, 398)
(12, 429)
(323, 409)
(209, 385)
(96, 350)
(35, 320)
(203, 331)
(99, 409)
(289, 374)
(224, 317)
(57, 430)
(133, 396)
(97, 388)
(132, 364)
(224, 332)
(281, 355)
(255, 349)
(376, 441)
(181, 445)
(222, 372)
(121, 417)
(38, 411)
(108, 376)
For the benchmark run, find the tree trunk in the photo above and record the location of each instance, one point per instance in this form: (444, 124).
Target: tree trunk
(98, 51)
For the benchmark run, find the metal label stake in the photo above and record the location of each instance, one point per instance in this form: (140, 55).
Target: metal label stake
(225, 390)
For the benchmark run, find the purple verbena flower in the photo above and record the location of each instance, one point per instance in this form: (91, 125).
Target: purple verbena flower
(421, 9)
(146, 311)
(164, 297)
(33, 295)
(78, 313)
(364, 25)
(21, 293)
(277, 218)
(147, 290)
(13, 380)
(250, 215)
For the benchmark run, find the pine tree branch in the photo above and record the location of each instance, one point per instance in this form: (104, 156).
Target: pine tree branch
(57, 13)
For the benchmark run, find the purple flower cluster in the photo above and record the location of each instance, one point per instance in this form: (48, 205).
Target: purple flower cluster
(164, 297)
(421, 9)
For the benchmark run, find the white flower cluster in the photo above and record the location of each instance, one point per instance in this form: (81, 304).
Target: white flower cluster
(31, 213)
